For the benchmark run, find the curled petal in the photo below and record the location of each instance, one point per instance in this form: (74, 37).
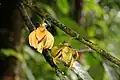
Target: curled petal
(32, 39)
(56, 50)
(71, 63)
(77, 55)
(49, 41)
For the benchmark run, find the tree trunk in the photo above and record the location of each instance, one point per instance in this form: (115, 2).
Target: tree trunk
(77, 10)
(11, 24)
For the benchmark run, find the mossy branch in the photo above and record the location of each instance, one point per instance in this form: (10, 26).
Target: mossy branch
(74, 34)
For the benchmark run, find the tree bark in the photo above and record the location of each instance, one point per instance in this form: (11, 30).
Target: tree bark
(11, 24)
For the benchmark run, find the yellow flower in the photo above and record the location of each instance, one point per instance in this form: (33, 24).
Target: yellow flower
(64, 53)
(41, 38)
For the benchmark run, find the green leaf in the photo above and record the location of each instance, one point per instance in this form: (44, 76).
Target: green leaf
(92, 6)
(47, 8)
(63, 6)
(28, 71)
(10, 52)
(90, 59)
(73, 25)
(97, 71)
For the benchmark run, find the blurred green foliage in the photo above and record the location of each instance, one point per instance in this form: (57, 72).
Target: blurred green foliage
(100, 24)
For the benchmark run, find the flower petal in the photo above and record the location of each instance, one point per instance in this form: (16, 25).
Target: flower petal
(32, 39)
(67, 55)
(40, 33)
(49, 40)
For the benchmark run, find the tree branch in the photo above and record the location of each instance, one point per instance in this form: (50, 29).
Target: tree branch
(45, 53)
(74, 34)
(26, 18)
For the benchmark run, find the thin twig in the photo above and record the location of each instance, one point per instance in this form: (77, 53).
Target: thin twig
(73, 33)
(85, 50)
